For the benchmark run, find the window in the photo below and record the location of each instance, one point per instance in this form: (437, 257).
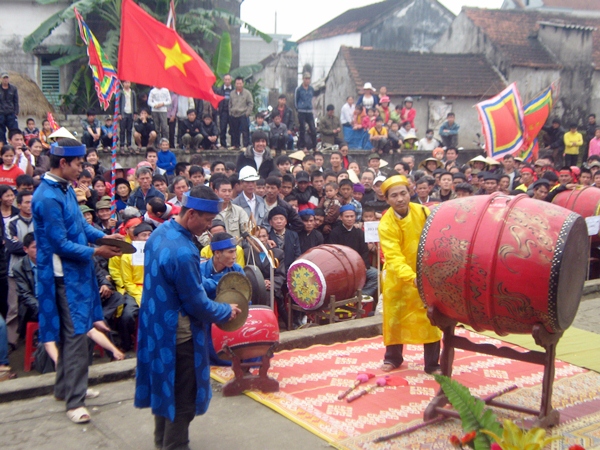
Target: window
(50, 81)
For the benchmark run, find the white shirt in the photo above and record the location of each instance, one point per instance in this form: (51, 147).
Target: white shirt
(127, 104)
(258, 158)
(347, 114)
(251, 204)
(159, 95)
(425, 144)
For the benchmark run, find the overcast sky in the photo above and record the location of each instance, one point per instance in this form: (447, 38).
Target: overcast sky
(300, 17)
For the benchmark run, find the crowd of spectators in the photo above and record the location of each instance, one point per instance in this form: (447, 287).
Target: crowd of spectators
(290, 201)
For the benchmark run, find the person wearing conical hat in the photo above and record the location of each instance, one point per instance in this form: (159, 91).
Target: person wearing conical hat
(404, 316)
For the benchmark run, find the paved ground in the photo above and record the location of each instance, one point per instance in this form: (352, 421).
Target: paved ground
(231, 423)
(588, 315)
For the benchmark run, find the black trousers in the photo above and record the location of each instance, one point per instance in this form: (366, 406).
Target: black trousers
(175, 435)
(223, 123)
(3, 296)
(172, 132)
(393, 355)
(73, 353)
(304, 118)
(125, 129)
(571, 160)
(126, 322)
(237, 126)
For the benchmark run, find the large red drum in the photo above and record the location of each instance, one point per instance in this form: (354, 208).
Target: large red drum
(584, 201)
(503, 263)
(324, 271)
(253, 339)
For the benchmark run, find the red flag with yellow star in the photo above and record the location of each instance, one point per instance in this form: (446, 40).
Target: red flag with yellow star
(153, 54)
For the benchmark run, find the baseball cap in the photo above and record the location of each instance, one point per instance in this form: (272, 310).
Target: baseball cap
(379, 179)
(4, 75)
(302, 176)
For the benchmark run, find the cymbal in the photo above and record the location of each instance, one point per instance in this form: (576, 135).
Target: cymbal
(125, 247)
(232, 296)
(236, 281)
(259, 291)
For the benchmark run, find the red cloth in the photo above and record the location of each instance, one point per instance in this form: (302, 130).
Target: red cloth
(153, 54)
(408, 114)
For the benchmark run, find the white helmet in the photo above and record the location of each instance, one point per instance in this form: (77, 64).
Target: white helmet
(248, 173)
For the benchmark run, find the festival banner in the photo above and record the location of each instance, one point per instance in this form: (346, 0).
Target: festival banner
(502, 120)
(153, 54)
(105, 76)
(536, 112)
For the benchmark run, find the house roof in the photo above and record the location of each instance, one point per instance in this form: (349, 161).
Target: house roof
(414, 73)
(513, 32)
(354, 20)
(287, 59)
(584, 5)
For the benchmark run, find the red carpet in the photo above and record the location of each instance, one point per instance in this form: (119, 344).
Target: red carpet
(311, 379)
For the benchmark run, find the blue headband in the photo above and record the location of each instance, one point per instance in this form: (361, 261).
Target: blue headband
(201, 204)
(78, 150)
(223, 245)
(306, 212)
(348, 207)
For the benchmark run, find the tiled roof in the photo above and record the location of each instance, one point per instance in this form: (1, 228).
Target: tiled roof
(583, 5)
(513, 32)
(354, 20)
(413, 73)
(287, 59)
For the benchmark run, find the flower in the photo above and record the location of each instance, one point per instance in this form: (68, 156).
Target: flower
(455, 441)
(495, 446)
(576, 447)
(468, 437)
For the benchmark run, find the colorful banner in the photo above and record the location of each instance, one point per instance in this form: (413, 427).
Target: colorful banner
(537, 112)
(502, 120)
(105, 75)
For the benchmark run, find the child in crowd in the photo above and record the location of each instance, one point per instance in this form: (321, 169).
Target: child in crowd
(30, 132)
(107, 134)
(46, 131)
(394, 137)
(261, 187)
(331, 205)
(210, 133)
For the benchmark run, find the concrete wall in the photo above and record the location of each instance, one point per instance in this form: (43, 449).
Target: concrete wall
(464, 37)
(19, 19)
(570, 46)
(339, 85)
(416, 27)
(321, 53)
(253, 49)
(595, 93)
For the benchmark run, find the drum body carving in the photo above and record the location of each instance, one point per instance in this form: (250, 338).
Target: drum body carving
(323, 271)
(503, 263)
(253, 339)
(584, 201)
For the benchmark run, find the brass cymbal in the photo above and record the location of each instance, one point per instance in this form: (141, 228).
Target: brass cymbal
(236, 281)
(232, 296)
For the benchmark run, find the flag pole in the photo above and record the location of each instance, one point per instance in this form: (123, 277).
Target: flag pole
(113, 159)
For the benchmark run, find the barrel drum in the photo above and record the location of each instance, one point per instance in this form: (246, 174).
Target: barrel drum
(584, 201)
(324, 271)
(503, 263)
(253, 339)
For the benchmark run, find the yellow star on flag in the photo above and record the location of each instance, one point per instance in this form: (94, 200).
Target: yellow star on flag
(175, 57)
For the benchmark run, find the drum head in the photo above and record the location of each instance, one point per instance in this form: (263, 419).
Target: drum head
(237, 282)
(232, 296)
(257, 281)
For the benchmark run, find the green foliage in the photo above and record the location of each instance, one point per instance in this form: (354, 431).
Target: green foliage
(223, 55)
(246, 71)
(514, 438)
(473, 413)
(255, 89)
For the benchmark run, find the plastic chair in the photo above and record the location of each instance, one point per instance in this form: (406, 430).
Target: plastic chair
(30, 348)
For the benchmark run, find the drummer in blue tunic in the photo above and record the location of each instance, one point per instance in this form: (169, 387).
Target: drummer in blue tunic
(67, 288)
(223, 246)
(173, 372)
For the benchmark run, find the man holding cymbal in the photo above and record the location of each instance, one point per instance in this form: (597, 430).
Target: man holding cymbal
(173, 372)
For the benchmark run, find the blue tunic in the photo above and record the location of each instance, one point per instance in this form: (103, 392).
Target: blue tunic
(210, 280)
(172, 285)
(61, 229)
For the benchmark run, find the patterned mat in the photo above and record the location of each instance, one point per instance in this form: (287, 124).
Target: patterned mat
(311, 379)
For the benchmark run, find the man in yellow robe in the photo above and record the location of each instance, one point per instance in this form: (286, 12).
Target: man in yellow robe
(404, 313)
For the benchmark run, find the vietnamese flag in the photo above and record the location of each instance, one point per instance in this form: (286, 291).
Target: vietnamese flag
(153, 54)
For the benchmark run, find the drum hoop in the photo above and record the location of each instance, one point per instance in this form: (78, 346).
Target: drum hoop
(319, 274)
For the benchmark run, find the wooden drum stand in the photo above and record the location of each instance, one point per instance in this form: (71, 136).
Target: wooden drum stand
(546, 416)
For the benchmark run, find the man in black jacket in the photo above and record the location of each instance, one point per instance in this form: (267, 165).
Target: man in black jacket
(24, 275)
(223, 111)
(257, 155)
(272, 199)
(190, 133)
(347, 234)
(9, 106)
(286, 239)
(145, 130)
(210, 133)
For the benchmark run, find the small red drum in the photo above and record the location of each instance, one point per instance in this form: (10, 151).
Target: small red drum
(324, 271)
(503, 263)
(253, 339)
(367, 304)
(584, 201)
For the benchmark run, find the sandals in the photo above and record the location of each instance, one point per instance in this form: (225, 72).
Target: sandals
(388, 367)
(89, 394)
(79, 415)
(6, 375)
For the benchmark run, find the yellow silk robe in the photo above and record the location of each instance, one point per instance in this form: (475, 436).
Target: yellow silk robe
(404, 313)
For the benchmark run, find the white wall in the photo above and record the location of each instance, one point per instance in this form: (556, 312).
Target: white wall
(321, 53)
(21, 18)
